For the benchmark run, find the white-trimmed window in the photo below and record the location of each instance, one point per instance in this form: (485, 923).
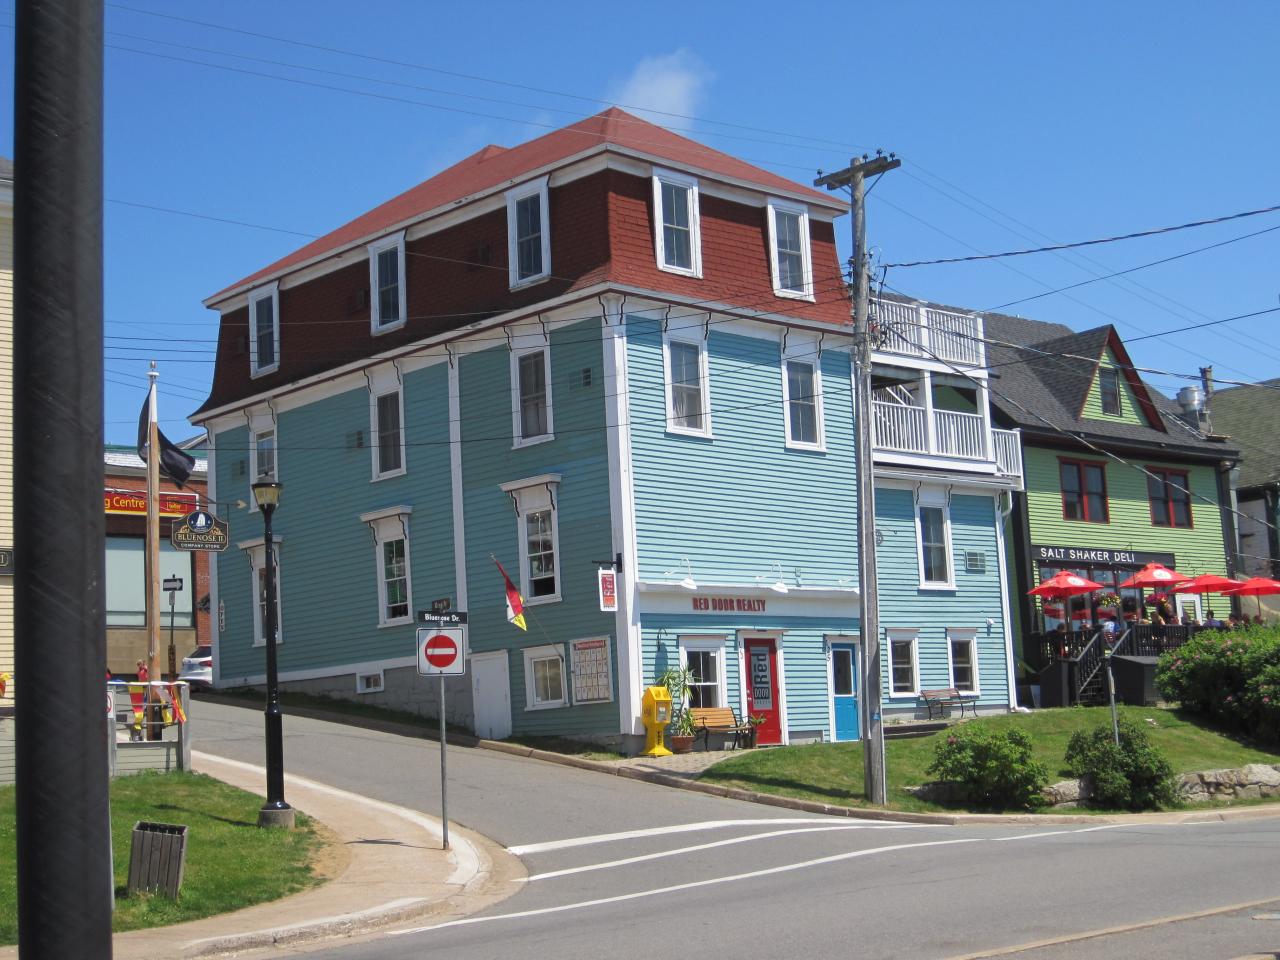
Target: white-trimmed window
(904, 665)
(677, 233)
(535, 503)
(386, 411)
(264, 330)
(544, 677)
(257, 552)
(705, 657)
(802, 395)
(528, 233)
(789, 257)
(688, 387)
(387, 301)
(531, 420)
(264, 455)
(390, 527)
(962, 653)
(371, 682)
(933, 541)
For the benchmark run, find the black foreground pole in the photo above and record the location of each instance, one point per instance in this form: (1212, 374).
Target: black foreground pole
(275, 812)
(65, 885)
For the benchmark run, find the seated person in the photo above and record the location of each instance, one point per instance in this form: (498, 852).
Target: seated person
(1210, 620)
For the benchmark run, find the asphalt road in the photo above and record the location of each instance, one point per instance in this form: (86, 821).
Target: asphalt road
(620, 868)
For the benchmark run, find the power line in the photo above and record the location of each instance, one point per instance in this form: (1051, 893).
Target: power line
(1088, 243)
(1141, 266)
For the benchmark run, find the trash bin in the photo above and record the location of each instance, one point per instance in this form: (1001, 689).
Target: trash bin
(157, 858)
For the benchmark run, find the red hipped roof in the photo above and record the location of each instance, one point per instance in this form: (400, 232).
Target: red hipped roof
(496, 166)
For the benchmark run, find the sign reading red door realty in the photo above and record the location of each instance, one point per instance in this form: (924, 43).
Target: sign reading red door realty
(442, 651)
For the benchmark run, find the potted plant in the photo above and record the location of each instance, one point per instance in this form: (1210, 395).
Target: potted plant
(756, 720)
(677, 680)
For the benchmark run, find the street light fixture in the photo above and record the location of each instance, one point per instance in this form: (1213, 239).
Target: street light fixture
(275, 812)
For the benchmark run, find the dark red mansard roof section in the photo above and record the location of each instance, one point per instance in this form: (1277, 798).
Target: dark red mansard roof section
(494, 166)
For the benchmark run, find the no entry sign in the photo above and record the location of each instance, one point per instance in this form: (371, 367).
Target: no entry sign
(442, 651)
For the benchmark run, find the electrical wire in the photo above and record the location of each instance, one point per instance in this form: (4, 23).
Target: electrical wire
(1088, 243)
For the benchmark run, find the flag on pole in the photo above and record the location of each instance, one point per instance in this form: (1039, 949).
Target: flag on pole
(176, 464)
(515, 602)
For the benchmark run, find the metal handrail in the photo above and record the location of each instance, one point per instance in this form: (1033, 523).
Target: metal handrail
(1093, 664)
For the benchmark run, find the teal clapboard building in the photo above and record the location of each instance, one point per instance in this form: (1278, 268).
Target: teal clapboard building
(606, 352)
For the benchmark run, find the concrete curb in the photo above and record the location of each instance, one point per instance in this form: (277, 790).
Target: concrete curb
(399, 883)
(1208, 815)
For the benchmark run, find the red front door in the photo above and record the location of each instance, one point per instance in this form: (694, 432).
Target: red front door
(762, 688)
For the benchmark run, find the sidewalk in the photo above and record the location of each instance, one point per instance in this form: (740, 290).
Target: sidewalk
(394, 871)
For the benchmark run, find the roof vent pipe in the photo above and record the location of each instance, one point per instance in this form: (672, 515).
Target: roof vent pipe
(1191, 399)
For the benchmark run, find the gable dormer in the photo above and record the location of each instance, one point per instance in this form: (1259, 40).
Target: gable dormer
(1116, 394)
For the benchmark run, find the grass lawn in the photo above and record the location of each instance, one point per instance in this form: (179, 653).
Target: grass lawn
(832, 772)
(230, 864)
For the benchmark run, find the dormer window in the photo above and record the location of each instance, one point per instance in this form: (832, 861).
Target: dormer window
(677, 237)
(528, 233)
(264, 330)
(386, 284)
(789, 250)
(1109, 390)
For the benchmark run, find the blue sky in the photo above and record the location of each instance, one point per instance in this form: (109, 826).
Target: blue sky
(1018, 123)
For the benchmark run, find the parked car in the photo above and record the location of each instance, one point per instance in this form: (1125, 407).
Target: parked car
(197, 668)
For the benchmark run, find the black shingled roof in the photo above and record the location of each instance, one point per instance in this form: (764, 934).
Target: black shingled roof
(1250, 416)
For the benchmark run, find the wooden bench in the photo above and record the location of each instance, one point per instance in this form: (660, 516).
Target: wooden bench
(949, 697)
(709, 720)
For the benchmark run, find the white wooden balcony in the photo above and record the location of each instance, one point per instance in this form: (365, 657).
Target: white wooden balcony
(947, 434)
(914, 330)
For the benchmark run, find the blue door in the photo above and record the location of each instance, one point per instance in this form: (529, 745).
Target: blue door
(844, 690)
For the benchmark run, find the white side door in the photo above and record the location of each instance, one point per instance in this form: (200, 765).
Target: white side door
(491, 695)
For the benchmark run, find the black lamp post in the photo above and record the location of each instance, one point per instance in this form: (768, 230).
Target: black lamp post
(275, 812)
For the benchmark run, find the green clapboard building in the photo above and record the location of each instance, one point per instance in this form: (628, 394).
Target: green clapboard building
(1115, 477)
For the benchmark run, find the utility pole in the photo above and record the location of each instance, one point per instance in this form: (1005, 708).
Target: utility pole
(854, 177)
(65, 887)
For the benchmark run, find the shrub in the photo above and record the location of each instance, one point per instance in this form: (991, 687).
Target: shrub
(1231, 677)
(989, 766)
(1132, 776)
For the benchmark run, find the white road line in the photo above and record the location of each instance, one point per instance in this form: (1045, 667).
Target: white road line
(786, 868)
(1055, 833)
(523, 848)
(702, 846)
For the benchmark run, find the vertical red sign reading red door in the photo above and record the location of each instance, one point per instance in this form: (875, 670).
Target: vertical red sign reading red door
(762, 688)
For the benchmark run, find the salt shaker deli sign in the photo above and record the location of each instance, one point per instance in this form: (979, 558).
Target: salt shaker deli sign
(1099, 555)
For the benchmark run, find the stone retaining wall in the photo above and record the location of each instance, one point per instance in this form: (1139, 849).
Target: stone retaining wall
(1254, 782)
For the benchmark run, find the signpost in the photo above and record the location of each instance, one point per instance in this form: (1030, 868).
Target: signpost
(172, 585)
(442, 652)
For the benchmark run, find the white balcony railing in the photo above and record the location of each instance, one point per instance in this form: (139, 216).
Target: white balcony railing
(918, 331)
(1008, 452)
(905, 429)
(960, 434)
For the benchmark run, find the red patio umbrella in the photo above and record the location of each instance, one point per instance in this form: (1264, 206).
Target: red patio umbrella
(1207, 583)
(1155, 575)
(1064, 584)
(1256, 587)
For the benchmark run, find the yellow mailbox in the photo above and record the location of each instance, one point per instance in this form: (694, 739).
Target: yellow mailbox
(655, 713)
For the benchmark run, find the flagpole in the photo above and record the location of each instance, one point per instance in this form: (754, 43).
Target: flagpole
(153, 532)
